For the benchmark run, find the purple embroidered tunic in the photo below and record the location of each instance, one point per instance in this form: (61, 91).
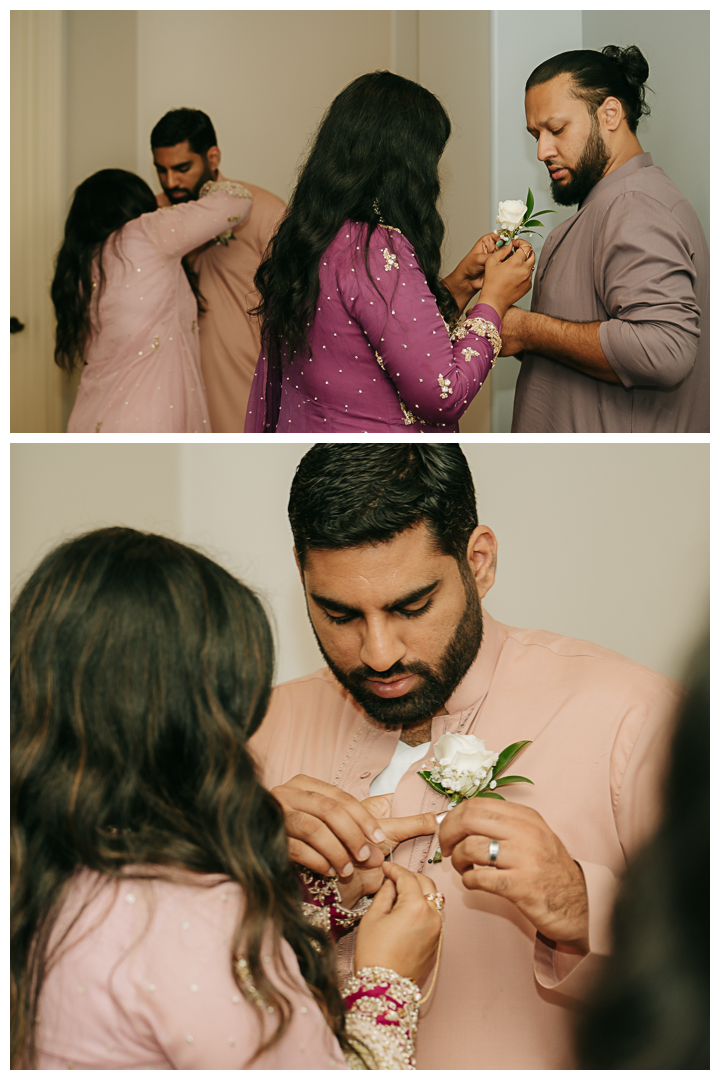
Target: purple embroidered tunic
(382, 356)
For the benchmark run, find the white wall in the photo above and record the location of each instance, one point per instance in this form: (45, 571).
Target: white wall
(676, 45)
(604, 542)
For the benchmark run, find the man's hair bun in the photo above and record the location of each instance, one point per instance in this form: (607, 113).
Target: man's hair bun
(634, 65)
(612, 72)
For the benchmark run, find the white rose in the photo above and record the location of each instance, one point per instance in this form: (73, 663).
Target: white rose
(510, 213)
(464, 761)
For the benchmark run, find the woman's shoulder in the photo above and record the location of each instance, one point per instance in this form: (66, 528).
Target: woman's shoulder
(150, 890)
(351, 237)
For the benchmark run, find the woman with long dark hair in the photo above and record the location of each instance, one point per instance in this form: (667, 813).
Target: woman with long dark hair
(156, 919)
(127, 303)
(359, 333)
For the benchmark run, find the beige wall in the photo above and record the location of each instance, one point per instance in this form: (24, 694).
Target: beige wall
(608, 543)
(264, 77)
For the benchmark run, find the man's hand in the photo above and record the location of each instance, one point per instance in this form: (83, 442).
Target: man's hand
(333, 833)
(366, 880)
(329, 830)
(533, 869)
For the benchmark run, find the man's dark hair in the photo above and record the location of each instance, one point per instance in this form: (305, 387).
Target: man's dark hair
(348, 494)
(612, 72)
(180, 124)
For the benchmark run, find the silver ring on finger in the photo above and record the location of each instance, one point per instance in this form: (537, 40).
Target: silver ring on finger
(493, 851)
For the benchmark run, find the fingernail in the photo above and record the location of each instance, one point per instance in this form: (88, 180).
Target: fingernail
(379, 835)
(332, 872)
(364, 853)
(347, 870)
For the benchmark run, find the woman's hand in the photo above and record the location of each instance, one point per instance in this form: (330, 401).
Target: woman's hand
(366, 878)
(467, 277)
(402, 928)
(508, 276)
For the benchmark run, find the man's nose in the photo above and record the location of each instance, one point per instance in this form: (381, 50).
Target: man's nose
(546, 148)
(381, 646)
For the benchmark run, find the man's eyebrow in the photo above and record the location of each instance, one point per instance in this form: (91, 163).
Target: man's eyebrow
(180, 165)
(403, 601)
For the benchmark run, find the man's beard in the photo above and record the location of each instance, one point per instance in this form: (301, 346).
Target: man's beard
(588, 170)
(182, 195)
(438, 683)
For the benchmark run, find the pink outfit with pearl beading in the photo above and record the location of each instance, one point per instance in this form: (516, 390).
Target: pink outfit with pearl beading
(142, 365)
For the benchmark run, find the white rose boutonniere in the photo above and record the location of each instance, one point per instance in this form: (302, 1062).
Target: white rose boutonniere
(515, 217)
(463, 769)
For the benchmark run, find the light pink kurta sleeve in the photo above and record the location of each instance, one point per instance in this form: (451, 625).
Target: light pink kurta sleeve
(179, 229)
(638, 762)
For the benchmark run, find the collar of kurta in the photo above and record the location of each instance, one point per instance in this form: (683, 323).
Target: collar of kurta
(476, 683)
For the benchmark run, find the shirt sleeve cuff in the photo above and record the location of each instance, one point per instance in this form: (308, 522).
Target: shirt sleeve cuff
(484, 311)
(561, 968)
(612, 359)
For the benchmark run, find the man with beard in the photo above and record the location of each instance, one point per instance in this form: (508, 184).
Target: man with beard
(617, 338)
(394, 567)
(186, 156)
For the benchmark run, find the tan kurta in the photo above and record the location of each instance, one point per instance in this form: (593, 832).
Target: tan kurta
(634, 258)
(599, 725)
(229, 339)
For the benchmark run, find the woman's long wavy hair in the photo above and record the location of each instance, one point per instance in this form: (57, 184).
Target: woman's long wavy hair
(139, 670)
(377, 149)
(101, 205)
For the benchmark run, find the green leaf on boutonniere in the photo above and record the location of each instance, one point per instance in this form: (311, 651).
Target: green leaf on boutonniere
(530, 203)
(489, 795)
(433, 785)
(533, 222)
(507, 755)
(513, 780)
(538, 213)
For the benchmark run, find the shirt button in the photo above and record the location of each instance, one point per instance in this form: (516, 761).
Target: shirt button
(364, 775)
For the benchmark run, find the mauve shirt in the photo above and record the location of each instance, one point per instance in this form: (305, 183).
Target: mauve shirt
(599, 726)
(382, 356)
(634, 258)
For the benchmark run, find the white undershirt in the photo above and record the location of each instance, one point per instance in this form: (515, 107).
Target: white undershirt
(387, 781)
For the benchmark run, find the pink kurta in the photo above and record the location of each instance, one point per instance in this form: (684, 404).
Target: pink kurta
(599, 725)
(229, 338)
(142, 370)
(145, 982)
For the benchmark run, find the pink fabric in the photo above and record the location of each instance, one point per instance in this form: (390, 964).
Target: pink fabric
(599, 725)
(229, 338)
(142, 369)
(145, 983)
(382, 358)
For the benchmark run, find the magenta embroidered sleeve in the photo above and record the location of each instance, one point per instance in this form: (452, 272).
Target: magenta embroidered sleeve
(381, 1019)
(437, 372)
(323, 906)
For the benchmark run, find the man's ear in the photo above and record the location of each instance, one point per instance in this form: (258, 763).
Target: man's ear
(482, 557)
(610, 115)
(213, 158)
